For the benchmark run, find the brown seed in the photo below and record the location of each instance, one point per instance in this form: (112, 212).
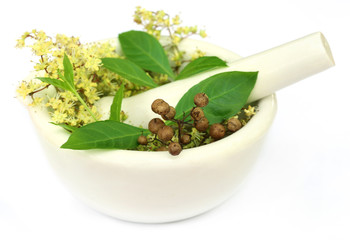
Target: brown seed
(186, 139)
(174, 148)
(217, 131)
(201, 100)
(234, 124)
(166, 133)
(142, 140)
(170, 115)
(197, 113)
(202, 124)
(155, 124)
(160, 107)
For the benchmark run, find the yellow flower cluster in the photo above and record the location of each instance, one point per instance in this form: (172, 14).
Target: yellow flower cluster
(156, 22)
(91, 81)
(27, 88)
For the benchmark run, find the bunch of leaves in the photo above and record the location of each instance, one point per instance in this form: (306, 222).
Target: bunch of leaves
(144, 54)
(197, 137)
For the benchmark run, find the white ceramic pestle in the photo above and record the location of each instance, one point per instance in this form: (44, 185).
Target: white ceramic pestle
(155, 187)
(278, 67)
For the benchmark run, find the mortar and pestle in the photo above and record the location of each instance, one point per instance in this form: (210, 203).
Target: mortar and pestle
(155, 187)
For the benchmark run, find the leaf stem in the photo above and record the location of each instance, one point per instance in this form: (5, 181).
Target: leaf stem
(179, 125)
(84, 104)
(38, 90)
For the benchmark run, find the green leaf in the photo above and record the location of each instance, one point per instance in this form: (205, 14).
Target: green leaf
(128, 70)
(201, 64)
(65, 82)
(116, 106)
(68, 70)
(228, 93)
(65, 126)
(104, 135)
(55, 82)
(146, 51)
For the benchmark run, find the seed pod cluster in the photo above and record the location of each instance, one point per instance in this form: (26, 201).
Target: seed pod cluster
(184, 133)
(201, 123)
(163, 132)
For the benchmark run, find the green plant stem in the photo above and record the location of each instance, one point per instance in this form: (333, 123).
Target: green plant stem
(84, 104)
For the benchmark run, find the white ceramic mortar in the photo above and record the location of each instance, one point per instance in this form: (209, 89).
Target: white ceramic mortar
(155, 187)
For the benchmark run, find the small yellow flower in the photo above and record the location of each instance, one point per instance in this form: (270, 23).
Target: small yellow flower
(36, 101)
(179, 30)
(176, 20)
(202, 33)
(41, 35)
(176, 40)
(20, 43)
(69, 95)
(250, 111)
(186, 30)
(58, 117)
(198, 53)
(193, 29)
(54, 102)
(93, 64)
(23, 90)
(167, 22)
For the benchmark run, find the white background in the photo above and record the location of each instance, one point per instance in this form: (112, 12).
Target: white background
(300, 187)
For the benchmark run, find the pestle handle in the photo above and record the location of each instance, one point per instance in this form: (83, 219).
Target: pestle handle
(278, 67)
(286, 64)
